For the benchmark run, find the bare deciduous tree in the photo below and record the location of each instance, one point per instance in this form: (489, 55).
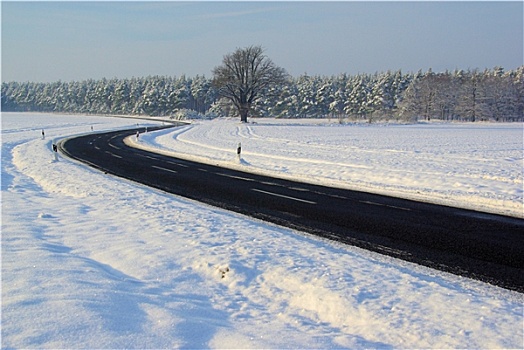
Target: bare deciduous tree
(245, 75)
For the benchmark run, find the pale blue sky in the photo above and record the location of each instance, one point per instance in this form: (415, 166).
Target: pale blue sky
(49, 41)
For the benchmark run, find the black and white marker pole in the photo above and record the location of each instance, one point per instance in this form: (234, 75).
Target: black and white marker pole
(239, 150)
(43, 134)
(55, 150)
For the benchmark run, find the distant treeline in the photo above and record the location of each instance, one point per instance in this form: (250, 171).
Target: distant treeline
(471, 95)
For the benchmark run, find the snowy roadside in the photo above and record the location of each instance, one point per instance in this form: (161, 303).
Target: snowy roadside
(92, 261)
(473, 166)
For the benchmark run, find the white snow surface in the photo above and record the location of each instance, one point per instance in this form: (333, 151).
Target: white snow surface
(94, 261)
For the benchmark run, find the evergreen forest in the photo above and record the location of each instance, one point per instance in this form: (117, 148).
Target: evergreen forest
(472, 95)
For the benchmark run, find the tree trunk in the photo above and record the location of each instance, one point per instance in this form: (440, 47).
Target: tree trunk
(244, 111)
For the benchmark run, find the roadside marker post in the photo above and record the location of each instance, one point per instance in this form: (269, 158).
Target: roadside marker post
(55, 150)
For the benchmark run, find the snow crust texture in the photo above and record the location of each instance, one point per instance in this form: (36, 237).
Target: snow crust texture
(93, 261)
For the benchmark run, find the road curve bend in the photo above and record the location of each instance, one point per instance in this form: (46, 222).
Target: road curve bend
(477, 245)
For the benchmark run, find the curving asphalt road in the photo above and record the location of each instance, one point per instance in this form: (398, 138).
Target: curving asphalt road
(483, 246)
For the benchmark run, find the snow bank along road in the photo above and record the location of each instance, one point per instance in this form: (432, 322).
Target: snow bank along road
(483, 246)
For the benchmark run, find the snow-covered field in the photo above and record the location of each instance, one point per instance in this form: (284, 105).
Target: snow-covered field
(91, 261)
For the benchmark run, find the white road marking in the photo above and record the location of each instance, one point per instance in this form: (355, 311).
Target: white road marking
(113, 155)
(282, 196)
(145, 156)
(385, 205)
(178, 164)
(299, 189)
(337, 196)
(270, 183)
(235, 177)
(160, 168)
